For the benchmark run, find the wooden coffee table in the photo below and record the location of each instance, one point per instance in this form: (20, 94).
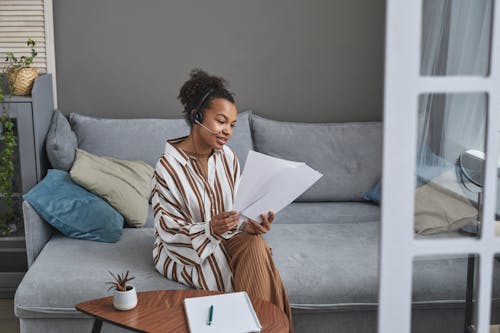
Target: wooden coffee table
(163, 311)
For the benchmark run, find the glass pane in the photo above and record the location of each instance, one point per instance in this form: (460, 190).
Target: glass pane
(444, 293)
(449, 170)
(15, 224)
(495, 296)
(12, 259)
(456, 37)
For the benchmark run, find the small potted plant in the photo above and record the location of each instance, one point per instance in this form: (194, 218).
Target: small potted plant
(125, 297)
(20, 73)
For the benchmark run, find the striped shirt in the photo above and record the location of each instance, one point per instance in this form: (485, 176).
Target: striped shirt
(185, 249)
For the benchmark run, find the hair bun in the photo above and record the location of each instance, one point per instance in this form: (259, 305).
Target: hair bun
(199, 83)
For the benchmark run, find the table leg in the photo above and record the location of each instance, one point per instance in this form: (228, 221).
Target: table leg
(96, 328)
(471, 262)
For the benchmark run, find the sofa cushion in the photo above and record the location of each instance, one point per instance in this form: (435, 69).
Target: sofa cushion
(74, 211)
(125, 185)
(60, 143)
(144, 139)
(335, 266)
(327, 265)
(317, 212)
(327, 212)
(349, 155)
(323, 267)
(70, 271)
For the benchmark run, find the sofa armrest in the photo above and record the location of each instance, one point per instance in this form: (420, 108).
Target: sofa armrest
(36, 230)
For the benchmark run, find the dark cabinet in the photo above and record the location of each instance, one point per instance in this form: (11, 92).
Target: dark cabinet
(30, 165)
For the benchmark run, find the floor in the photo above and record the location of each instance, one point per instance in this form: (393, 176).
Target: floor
(8, 321)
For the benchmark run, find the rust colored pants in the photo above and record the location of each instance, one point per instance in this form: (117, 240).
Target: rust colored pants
(254, 271)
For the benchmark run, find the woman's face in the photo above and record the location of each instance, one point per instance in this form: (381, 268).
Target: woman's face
(220, 118)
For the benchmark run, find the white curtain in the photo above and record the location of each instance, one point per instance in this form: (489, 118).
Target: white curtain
(455, 41)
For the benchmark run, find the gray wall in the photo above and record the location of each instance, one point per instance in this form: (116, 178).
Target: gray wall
(314, 60)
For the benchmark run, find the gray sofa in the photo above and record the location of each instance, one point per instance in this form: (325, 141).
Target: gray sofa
(325, 244)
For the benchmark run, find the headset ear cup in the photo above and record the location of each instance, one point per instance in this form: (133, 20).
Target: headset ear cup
(198, 116)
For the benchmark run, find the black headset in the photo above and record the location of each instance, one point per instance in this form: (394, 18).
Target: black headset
(197, 115)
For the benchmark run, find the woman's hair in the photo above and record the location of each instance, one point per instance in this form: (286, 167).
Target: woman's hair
(199, 84)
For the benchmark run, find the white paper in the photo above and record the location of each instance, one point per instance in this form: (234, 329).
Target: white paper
(233, 313)
(270, 184)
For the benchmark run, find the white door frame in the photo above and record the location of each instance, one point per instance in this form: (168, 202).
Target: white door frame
(403, 86)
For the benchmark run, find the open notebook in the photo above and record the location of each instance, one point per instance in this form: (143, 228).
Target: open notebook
(232, 312)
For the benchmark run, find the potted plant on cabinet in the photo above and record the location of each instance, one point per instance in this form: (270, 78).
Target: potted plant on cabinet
(20, 72)
(125, 296)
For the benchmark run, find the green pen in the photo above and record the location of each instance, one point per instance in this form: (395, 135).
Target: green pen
(210, 314)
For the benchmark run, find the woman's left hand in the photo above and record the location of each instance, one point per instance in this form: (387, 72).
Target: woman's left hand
(255, 228)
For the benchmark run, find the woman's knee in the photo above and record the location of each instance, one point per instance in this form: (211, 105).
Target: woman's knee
(256, 243)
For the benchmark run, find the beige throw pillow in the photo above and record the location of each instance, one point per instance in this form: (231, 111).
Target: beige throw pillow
(441, 206)
(125, 185)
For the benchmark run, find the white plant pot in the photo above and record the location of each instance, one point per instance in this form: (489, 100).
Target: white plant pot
(125, 300)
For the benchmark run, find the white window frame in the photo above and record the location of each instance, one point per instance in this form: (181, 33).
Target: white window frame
(403, 86)
(50, 45)
(29, 19)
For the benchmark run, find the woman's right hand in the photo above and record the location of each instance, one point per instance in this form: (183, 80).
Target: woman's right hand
(224, 222)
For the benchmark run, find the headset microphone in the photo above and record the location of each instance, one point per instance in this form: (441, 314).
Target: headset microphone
(208, 129)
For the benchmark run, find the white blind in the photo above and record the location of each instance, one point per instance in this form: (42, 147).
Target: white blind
(19, 21)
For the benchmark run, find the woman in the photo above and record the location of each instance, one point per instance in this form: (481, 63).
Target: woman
(199, 241)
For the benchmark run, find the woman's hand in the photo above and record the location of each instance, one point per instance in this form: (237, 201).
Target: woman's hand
(255, 228)
(224, 222)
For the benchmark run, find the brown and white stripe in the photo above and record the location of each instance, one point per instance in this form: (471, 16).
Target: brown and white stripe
(254, 271)
(185, 250)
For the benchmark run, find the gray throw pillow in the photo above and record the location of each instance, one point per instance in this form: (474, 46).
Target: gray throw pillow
(144, 139)
(61, 143)
(241, 141)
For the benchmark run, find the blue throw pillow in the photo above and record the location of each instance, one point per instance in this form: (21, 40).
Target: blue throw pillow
(74, 211)
(429, 167)
(374, 193)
